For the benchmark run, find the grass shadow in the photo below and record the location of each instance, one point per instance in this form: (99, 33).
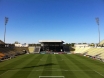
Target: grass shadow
(27, 67)
(48, 64)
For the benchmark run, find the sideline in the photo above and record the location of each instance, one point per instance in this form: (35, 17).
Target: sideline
(99, 73)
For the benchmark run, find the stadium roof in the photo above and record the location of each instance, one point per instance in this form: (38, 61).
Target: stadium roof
(42, 41)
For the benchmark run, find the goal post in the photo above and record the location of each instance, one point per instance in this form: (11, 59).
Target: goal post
(51, 76)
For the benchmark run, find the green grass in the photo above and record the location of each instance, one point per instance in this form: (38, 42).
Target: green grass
(67, 65)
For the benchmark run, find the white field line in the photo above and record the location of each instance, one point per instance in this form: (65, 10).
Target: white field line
(42, 59)
(35, 70)
(63, 70)
(52, 76)
(5, 72)
(51, 70)
(99, 73)
(56, 60)
(56, 70)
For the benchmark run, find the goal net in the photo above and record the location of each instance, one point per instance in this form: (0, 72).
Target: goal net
(51, 77)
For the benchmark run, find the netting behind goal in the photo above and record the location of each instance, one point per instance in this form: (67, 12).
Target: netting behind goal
(51, 77)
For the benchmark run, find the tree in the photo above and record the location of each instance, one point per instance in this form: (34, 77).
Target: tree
(67, 44)
(16, 42)
(92, 44)
(72, 44)
(84, 43)
(38, 44)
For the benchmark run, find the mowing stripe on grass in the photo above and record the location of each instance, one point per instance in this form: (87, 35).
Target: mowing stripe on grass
(29, 66)
(35, 65)
(8, 66)
(36, 72)
(56, 71)
(63, 65)
(93, 64)
(6, 63)
(82, 66)
(20, 65)
(48, 66)
(90, 59)
(73, 67)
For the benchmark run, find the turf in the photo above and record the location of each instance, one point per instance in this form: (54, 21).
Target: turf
(66, 65)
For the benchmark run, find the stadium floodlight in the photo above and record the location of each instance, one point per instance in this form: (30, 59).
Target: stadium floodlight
(6, 21)
(97, 21)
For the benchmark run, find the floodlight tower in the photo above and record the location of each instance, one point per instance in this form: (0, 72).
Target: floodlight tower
(97, 21)
(6, 21)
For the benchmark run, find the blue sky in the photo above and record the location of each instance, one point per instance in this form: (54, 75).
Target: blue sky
(70, 20)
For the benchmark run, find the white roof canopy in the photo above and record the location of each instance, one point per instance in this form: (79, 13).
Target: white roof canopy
(42, 41)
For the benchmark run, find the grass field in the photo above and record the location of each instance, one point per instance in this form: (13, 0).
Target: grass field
(57, 65)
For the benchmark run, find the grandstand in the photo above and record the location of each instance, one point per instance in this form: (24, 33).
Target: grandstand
(92, 52)
(8, 51)
(1, 56)
(102, 43)
(12, 52)
(101, 53)
(31, 49)
(34, 49)
(81, 49)
(52, 45)
(37, 49)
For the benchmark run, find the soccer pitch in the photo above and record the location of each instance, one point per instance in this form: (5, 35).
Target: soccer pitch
(51, 66)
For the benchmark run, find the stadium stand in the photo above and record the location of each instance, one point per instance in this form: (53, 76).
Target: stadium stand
(34, 49)
(102, 56)
(81, 49)
(31, 49)
(67, 48)
(9, 53)
(97, 52)
(76, 49)
(21, 50)
(37, 49)
(1, 56)
(92, 52)
(85, 49)
(102, 43)
(101, 53)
